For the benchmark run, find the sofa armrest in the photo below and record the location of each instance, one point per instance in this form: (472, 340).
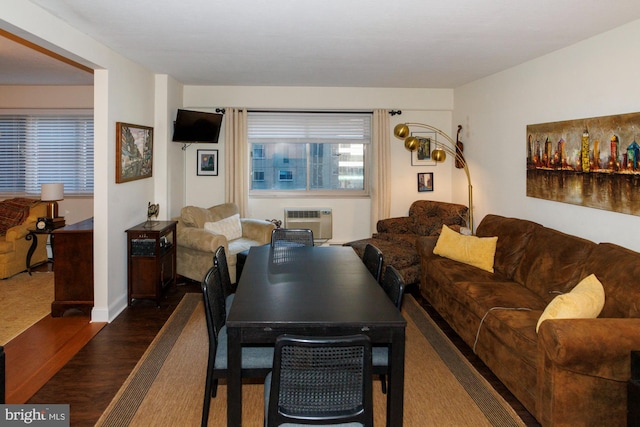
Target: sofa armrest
(402, 224)
(19, 231)
(200, 239)
(583, 367)
(257, 229)
(598, 347)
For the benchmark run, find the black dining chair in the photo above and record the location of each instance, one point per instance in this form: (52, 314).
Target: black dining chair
(393, 285)
(256, 362)
(291, 237)
(220, 258)
(320, 380)
(372, 259)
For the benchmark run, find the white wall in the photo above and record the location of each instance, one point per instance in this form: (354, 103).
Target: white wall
(597, 77)
(351, 216)
(123, 91)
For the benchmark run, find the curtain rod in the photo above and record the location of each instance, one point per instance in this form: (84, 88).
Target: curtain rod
(310, 111)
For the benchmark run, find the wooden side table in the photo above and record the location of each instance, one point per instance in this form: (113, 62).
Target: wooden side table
(151, 259)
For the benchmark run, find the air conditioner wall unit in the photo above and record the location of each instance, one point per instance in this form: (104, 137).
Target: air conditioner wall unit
(318, 220)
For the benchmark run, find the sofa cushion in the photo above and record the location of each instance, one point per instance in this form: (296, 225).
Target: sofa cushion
(585, 301)
(229, 227)
(616, 268)
(513, 236)
(472, 250)
(429, 217)
(552, 262)
(193, 216)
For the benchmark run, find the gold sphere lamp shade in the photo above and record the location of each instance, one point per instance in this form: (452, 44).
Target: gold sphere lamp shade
(52, 193)
(401, 131)
(411, 143)
(439, 154)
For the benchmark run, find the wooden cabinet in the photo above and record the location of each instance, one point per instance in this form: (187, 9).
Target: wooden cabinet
(151, 254)
(73, 268)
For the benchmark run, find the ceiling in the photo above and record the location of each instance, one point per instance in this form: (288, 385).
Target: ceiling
(348, 43)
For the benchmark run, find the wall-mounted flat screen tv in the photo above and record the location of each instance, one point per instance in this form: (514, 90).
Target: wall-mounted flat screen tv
(197, 126)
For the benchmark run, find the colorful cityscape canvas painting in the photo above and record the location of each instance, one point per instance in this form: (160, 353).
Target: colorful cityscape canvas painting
(592, 162)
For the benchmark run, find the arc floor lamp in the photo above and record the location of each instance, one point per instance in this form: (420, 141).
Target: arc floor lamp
(439, 154)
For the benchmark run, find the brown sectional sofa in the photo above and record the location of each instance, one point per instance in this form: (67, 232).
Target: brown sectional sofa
(396, 237)
(573, 372)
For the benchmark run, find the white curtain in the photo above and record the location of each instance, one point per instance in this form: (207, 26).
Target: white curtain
(236, 159)
(380, 170)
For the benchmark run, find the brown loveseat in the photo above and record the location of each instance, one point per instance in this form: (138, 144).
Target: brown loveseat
(573, 372)
(396, 237)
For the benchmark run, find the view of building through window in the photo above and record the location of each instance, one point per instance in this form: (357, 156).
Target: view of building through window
(301, 160)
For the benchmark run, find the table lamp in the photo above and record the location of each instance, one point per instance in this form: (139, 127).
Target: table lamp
(52, 193)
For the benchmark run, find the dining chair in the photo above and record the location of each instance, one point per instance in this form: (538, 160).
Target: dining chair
(220, 258)
(372, 259)
(320, 380)
(257, 361)
(393, 285)
(291, 237)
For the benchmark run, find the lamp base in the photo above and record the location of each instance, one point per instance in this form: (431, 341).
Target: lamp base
(52, 209)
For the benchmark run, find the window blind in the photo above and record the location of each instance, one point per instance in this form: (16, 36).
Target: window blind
(45, 149)
(273, 127)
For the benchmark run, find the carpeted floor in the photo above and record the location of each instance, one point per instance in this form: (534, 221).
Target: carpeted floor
(24, 300)
(167, 385)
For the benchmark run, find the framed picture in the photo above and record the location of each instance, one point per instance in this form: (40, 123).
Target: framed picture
(208, 162)
(425, 181)
(134, 152)
(422, 156)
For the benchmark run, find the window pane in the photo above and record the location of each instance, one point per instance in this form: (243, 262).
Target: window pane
(281, 167)
(309, 151)
(337, 167)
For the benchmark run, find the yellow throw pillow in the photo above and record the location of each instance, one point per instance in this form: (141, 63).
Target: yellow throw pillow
(472, 250)
(229, 227)
(585, 301)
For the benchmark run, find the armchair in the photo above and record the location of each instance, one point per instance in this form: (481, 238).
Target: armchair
(17, 217)
(396, 237)
(200, 231)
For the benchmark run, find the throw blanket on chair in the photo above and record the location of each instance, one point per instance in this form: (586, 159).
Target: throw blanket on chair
(13, 212)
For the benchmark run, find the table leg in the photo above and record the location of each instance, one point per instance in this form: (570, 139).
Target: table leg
(234, 378)
(395, 390)
(32, 249)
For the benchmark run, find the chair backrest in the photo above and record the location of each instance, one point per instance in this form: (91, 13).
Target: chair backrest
(291, 237)
(393, 285)
(372, 258)
(214, 304)
(220, 259)
(323, 380)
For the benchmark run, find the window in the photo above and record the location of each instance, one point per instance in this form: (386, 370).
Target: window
(258, 175)
(309, 153)
(285, 176)
(36, 149)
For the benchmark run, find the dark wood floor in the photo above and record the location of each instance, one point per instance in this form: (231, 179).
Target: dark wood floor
(89, 381)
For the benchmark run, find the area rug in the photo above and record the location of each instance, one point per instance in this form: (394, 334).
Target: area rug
(166, 387)
(24, 300)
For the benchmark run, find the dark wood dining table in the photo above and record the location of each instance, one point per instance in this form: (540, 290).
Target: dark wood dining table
(314, 291)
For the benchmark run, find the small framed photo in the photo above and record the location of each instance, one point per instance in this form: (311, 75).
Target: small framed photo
(208, 162)
(422, 156)
(425, 181)
(134, 152)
